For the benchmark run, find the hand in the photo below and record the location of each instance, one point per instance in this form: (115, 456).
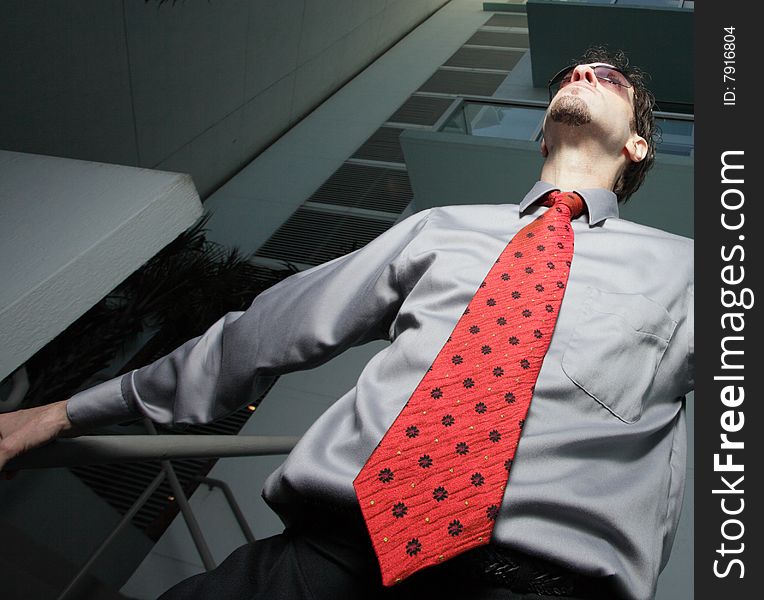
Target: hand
(25, 429)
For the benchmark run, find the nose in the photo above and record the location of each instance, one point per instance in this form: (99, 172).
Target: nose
(584, 73)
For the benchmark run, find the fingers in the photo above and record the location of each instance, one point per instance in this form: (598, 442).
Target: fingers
(23, 430)
(9, 448)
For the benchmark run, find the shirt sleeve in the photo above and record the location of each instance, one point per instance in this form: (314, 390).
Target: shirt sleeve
(299, 323)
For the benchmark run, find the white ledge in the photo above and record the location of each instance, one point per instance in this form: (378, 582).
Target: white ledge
(70, 232)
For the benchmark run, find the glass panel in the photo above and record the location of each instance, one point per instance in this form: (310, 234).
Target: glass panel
(487, 120)
(589, 1)
(677, 137)
(524, 123)
(509, 122)
(456, 122)
(670, 3)
(674, 3)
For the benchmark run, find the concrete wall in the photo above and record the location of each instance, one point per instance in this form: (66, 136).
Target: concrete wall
(657, 38)
(200, 87)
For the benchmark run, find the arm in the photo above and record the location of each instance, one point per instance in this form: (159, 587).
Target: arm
(299, 323)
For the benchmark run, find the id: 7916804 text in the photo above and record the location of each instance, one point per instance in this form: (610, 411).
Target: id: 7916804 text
(728, 74)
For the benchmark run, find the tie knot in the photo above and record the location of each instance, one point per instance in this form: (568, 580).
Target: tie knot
(570, 199)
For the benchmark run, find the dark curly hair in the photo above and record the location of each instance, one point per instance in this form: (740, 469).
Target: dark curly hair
(643, 122)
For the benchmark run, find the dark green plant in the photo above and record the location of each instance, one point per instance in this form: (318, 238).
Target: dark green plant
(177, 294)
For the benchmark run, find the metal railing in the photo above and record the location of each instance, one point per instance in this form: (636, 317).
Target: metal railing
(105, 449)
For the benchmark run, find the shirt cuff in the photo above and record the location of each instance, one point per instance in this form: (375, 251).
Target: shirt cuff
(101, 405)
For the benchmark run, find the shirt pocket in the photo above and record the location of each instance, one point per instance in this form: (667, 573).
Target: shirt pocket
(616, 348)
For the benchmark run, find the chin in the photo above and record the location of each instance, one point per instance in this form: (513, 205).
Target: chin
(570, 110)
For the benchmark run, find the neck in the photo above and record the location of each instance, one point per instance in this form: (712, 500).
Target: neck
(570, 168)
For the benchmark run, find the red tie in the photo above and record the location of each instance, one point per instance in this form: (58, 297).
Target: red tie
(433, 486)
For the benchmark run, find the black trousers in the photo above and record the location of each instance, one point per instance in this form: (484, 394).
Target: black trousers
(331, 564)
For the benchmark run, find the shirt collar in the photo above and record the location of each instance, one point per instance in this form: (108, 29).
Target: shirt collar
(600, 203)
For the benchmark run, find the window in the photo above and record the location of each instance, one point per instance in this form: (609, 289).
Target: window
(505, 120)
(496, 120)
(676, 137)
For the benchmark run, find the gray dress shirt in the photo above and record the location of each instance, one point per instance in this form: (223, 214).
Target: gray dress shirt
(598, 478)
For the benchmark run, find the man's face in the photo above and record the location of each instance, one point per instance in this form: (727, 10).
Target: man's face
(594, 94)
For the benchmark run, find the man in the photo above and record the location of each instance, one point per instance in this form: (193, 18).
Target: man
(596, 485)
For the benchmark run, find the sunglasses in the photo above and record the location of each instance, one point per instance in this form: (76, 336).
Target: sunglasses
(608, 75)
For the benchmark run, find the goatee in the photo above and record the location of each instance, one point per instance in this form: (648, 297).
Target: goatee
(570, 110)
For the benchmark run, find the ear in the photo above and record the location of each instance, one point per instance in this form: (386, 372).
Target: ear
(544, 149)
(636, 148)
